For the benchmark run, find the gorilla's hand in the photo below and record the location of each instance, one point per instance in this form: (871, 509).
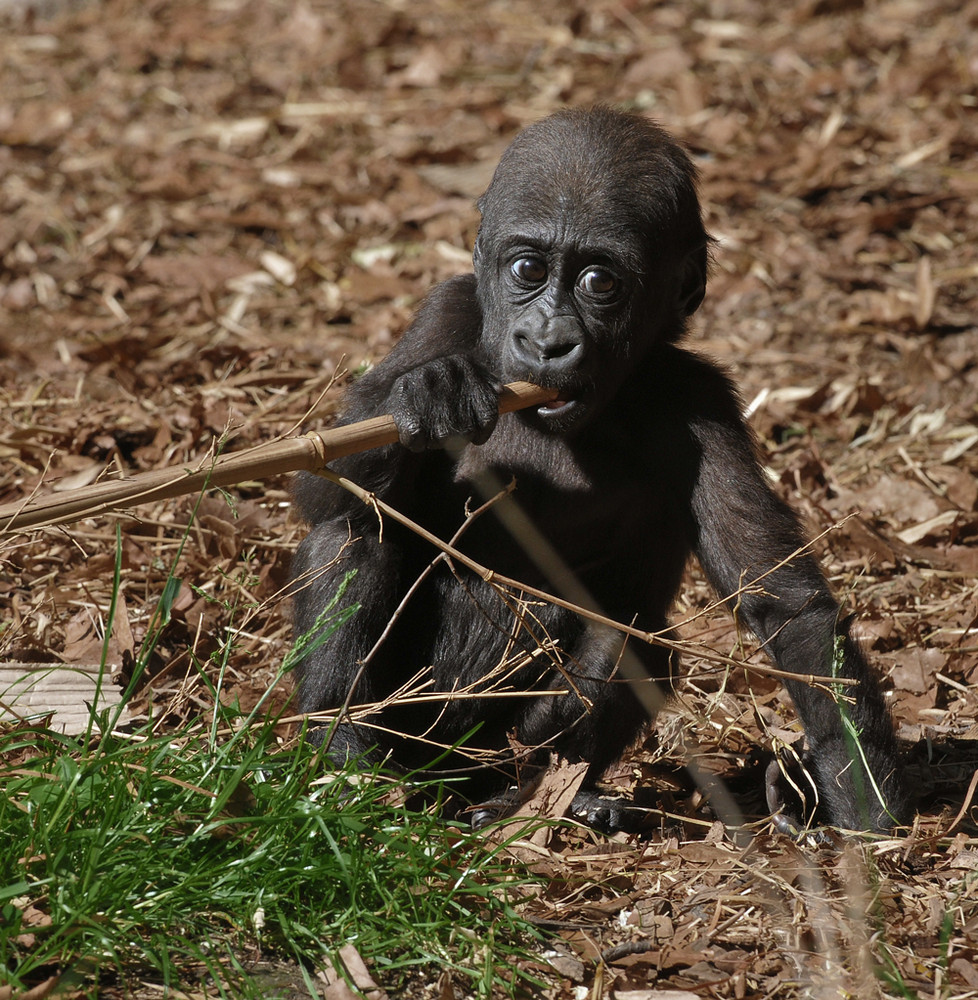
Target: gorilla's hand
(447, 401)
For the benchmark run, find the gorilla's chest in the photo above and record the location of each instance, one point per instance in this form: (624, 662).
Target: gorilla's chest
(602, 519)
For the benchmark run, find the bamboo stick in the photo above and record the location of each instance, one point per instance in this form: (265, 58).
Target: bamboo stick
(311, 452)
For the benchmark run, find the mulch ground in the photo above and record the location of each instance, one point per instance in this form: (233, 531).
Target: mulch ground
(207, 210)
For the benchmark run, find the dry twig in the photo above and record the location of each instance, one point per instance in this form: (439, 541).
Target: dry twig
(309, 452)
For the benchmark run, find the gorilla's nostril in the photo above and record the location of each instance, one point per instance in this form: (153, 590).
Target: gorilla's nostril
(558, 350)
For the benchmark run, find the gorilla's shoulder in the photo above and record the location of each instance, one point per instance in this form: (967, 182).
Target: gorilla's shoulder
(690, 384)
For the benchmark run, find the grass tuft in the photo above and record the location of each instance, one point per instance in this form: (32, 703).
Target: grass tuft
(183, 857)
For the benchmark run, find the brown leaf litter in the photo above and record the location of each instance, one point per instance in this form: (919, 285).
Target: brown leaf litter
(207, 210)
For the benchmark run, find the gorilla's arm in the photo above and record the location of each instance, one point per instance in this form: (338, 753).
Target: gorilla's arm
(430, 379)
(742, 530)
(436, 387)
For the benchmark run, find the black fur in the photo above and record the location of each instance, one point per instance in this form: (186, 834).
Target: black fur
(590, 257)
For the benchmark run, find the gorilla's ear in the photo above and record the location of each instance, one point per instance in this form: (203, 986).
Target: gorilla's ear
(477, 246)
(477, 253)
(692, 281)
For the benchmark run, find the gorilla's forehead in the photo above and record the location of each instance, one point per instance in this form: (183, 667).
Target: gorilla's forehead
(592, 223)
(595, 181)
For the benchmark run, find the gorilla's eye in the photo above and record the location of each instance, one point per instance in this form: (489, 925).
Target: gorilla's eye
(529, 270)
(597, 281)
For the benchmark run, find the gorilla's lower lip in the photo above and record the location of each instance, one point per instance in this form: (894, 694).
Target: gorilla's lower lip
(556, 406)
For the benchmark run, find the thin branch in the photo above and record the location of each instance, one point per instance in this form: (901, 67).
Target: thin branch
(660, 638)
(273, 458)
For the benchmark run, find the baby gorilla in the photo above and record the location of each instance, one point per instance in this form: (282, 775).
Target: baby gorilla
(589, 259)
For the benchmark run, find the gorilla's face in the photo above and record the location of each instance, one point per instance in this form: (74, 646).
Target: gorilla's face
(583, 262)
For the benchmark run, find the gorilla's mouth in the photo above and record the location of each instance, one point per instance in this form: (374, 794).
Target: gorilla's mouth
(556, 405)
(560, 413)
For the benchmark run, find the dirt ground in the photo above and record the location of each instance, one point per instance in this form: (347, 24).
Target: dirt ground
(208, 209)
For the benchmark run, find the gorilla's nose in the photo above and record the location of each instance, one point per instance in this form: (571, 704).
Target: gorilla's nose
(556, 347)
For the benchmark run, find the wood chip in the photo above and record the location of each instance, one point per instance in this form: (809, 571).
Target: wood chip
(31, 691)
